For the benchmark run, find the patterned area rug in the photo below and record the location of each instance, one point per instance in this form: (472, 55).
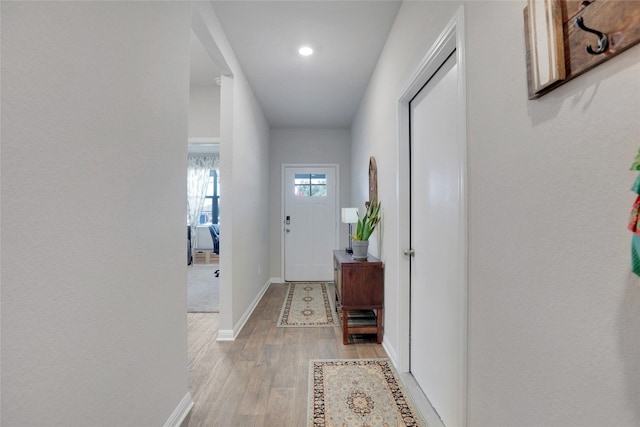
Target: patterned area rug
(308, 305)
(358, 393)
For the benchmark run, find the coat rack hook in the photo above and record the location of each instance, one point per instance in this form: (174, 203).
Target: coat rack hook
(603, 40)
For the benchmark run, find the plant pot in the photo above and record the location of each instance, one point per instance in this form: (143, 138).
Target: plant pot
(360, 249)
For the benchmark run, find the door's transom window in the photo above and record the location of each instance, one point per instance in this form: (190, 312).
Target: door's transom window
(310, 185)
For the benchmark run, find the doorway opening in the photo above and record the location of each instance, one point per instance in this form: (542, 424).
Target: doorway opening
(203, 181)
(203, 230)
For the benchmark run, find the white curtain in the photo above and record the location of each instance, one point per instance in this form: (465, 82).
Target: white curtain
(197, 179)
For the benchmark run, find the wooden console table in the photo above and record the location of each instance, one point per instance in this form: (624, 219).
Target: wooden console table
(359, 289)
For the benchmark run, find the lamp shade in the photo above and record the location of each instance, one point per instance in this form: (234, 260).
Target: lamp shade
(349, 215)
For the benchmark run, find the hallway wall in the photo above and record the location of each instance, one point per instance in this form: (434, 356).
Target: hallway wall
(553, 308)
(244, 163)
(94, 130)
(204, 112)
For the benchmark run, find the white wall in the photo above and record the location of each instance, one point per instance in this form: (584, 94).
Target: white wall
(204, 112)
(94, 124)
(305, 146)
(250, 193)
(553, 308)
(244, 162)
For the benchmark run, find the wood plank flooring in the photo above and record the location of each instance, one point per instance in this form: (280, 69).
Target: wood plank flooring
(260, 379)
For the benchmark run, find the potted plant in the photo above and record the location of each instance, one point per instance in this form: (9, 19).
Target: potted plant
(364, 228)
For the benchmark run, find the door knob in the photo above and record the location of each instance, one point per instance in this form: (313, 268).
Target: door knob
(287, 230)
(409, 252)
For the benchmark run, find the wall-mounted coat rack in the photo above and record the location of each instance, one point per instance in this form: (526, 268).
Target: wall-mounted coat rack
(566, 38)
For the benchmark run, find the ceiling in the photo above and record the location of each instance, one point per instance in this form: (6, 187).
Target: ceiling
(319, 91)
(203, 71)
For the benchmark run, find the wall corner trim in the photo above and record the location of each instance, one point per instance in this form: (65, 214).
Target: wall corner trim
(230, 335)
(393, 354)
(180, 413)
(225, 335)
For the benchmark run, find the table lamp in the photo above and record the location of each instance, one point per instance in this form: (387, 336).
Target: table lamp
(349, 216)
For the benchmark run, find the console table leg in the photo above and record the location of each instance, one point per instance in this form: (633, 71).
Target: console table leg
(345, 326)
(379, 324)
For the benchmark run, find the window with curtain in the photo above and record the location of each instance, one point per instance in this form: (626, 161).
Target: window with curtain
(198, 183)
(211, 209)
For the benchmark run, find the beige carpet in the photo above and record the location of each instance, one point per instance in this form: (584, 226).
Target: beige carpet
(308, 305)
(203, 289)
(358, 393)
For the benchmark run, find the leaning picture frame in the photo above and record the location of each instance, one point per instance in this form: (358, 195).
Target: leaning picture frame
(544, 45)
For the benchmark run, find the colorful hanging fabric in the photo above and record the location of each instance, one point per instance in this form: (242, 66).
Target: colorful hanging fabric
(636, 185)
(635, 254)
(635, 210)
(636, 163)
(633, 220)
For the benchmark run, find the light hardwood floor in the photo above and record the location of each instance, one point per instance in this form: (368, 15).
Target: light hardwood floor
(261, 378)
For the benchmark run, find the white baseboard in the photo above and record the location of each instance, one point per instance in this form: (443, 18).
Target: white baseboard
(391, 352)
(225, 335)
(181, 412)
(422, 402)
(230, 335)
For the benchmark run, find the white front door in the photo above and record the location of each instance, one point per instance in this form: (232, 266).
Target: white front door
(310, 223)
(437, 239)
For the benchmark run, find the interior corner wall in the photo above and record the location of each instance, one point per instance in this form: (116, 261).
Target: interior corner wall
(204, 112)
(305, 146)
(250, 189)
(94, 129)
(553, 307)
(244, 163)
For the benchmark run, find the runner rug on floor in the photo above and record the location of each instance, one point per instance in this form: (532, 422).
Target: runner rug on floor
(308, 305)
(358, 393)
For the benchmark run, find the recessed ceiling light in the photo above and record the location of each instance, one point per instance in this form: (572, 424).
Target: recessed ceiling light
(305, 51)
